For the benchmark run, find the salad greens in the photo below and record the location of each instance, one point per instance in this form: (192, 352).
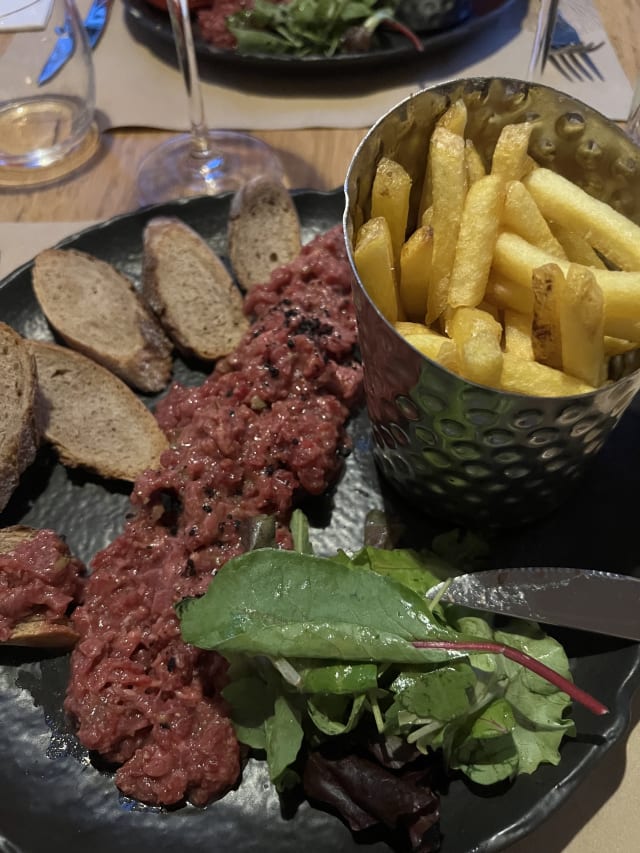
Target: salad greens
(318, 645)
(312, 27)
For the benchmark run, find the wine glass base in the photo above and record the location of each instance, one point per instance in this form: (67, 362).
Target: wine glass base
(171, 170)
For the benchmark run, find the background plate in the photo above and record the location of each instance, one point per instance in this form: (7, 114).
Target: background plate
(391, 47)
(53, 797)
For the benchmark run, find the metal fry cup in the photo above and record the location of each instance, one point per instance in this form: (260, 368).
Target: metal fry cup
(466, 452)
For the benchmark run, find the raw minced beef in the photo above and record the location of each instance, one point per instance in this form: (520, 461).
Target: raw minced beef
(267, 426)
(38, 577)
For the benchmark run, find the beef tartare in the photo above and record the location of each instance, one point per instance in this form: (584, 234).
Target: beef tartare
(39, 578)
(266, 427)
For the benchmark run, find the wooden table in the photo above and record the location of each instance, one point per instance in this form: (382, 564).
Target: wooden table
(602, 815)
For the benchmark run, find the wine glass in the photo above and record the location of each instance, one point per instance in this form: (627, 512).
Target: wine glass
(203, 161)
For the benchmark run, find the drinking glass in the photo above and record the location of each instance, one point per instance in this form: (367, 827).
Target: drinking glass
(203, 161)
(46, 125)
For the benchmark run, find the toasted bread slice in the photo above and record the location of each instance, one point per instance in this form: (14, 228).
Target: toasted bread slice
(263, 231)
(190, 290)
(19, 432)
(97, 311)
(35, 631)
(92, 418)
(11, 537)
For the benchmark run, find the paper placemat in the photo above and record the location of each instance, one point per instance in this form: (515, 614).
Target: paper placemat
(136, 87)
(21, 241)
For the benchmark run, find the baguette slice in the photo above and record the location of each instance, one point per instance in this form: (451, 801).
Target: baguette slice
(35, 631)
(263, 231)
(190, 290)
(98, 312)
(92, 418)
(19, 431)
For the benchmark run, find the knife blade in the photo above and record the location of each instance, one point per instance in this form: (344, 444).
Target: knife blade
(589, 600)
(94, 25)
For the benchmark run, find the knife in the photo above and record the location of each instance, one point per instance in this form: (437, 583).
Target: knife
(94, 25)
(589, 600)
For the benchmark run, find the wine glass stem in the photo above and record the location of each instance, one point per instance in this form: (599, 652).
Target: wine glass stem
(183, 36)
(547, 14)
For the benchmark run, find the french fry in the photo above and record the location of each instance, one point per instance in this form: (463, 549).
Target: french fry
(510, 159)
(429, 342)
(522, 216)
(447, 356)
(621, 303)
(509, 269)
(373, 258)
(448, 174)
(455, 118)
(521, 376)
(617, 346)
(426, 193)
(490, 308)
(390, 198)
(611, 233)
(477, 338)
(547, 282)
(407, 327)
(517, 334)
(429, 346)
(476, 241)
(415, 265)
(473, 160)
(514, 259)
(576, 248)
(505, 293)
(581, 315)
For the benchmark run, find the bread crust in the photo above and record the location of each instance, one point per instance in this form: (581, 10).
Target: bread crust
(190, 290)
(19, 427)
(263, 231)
(93, 419)
(97, 311)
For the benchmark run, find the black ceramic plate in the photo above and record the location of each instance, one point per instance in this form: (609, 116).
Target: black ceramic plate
(390, 47)
(53, 798)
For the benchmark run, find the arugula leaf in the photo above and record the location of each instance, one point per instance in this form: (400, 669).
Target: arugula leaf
(283, 738)
(417, 571)
(329, 712)
(339, 678)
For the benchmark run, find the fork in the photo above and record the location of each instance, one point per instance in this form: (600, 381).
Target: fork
(570, 55)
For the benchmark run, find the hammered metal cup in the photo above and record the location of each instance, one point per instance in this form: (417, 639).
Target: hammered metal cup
(465, 452)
